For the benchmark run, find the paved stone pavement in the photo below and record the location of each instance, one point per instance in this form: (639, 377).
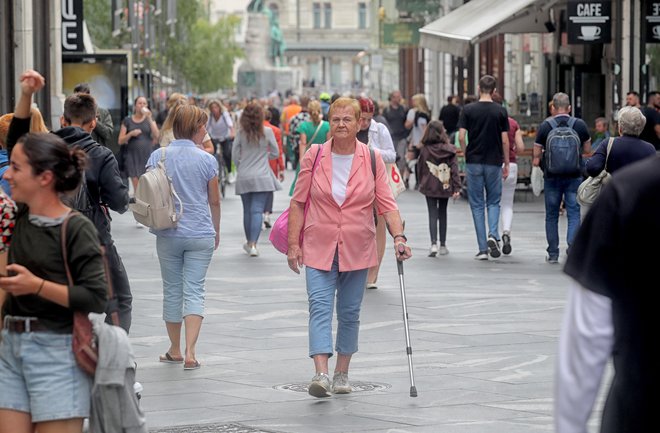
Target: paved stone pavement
(483, 334)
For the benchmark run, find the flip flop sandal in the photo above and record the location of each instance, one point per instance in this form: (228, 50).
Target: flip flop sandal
(192, 365)
(169, 359)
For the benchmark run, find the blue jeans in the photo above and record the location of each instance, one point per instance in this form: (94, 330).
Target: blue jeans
(480, 176)
(183, 266)
(321, 289)
(254, 204)
(554, 189)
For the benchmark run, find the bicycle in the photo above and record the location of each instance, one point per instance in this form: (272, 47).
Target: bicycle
(223, 174)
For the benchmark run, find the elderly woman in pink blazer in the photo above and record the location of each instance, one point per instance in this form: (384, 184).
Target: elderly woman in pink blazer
(339, 243)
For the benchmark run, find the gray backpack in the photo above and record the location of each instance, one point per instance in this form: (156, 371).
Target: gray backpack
(153, 204)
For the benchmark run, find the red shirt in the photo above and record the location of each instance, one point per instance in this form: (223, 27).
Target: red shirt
(276, 165)
(513, 128)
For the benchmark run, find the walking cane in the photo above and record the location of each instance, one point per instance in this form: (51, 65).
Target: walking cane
(402, 285)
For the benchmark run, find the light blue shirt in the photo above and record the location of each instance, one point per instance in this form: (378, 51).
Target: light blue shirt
(190, 169)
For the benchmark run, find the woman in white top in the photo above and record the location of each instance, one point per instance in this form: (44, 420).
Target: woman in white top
(376, 135)
(417, 119)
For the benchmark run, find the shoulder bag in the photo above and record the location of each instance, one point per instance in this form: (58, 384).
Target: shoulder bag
(279, 234)
(394, 178)
(589, 190)
(318, 128)
(84, 344)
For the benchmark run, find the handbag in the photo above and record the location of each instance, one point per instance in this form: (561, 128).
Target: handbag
(394, 179)
(84, 345)
(589, 190)
(279, 233)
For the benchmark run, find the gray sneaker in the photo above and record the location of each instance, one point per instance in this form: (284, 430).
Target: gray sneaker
(320, 385)
(340, 384)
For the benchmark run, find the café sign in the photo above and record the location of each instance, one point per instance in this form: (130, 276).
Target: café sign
(72, 26)
(652, 19)
(589, 22)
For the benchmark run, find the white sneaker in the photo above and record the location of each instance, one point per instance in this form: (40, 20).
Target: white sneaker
(254, 252)
(231, 177)
(443, 251)
(267, 223)
(246, 248)
(433, 251)
(320, 386)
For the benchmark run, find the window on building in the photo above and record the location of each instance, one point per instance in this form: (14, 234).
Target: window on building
(327, 15)
(316, 12)
(362, 15)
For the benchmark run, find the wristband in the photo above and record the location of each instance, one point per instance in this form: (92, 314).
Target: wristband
(41, 286)
(401, 235)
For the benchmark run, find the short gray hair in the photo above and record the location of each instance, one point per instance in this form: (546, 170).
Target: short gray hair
(631, 121)
(561, 100)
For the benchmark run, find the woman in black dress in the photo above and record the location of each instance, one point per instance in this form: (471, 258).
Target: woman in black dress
(139, 133)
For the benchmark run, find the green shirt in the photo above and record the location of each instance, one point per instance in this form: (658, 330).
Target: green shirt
(308, 128)
(39, 250)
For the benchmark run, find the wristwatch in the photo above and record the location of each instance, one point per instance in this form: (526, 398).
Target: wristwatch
(400, 235)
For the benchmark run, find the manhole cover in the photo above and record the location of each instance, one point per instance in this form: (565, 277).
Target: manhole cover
(212, 428)
(355, 386)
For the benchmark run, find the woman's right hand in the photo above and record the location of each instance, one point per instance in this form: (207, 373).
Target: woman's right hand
(136, 132)
(294, 258)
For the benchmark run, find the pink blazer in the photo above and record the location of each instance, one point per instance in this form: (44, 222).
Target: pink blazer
(349, 228)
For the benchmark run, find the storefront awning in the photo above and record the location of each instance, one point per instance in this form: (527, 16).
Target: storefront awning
(480, 19)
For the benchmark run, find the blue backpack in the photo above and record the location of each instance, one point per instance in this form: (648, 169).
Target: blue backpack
(4, 165)
(562, 149)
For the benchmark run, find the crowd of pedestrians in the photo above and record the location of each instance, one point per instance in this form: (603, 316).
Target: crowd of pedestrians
(345, 157)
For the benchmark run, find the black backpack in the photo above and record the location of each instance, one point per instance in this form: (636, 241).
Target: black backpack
(562, 149)
(421, 115)
(80, 199)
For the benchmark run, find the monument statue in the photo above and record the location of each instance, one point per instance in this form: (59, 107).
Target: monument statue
(256, 6)
(264, 68)
(277, 44)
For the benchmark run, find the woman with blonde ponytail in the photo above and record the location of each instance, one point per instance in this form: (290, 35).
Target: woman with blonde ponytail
(315, 131)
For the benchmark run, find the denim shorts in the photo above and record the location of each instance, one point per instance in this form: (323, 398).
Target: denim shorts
(41, 373)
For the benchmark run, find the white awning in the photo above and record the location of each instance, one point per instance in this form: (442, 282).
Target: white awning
(480, 19)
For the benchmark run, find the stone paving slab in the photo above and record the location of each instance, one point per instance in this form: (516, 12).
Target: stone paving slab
(484, 335)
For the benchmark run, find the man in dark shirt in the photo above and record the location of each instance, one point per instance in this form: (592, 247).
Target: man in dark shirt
(558, 187)
(487, 163)
(449, 114)
(104, 184)
(395, 114)
(612, 308)
(651, 131)
(103, 131)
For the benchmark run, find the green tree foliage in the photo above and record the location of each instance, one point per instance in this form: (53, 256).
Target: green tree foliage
(208, 65)
(203, 53)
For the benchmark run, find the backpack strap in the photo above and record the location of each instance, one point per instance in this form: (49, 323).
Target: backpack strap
(571, 122)
(177, 217)
(610, 143)
(372, 157)
(110, 294)
(553, 122)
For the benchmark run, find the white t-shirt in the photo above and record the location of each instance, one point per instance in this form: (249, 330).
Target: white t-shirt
(417, 131)
(341, 169)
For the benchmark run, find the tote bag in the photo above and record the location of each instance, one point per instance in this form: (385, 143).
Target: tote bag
(279, 233)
